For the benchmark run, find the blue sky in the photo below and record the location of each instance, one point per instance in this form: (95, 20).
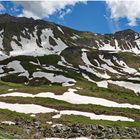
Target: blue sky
(94, 16)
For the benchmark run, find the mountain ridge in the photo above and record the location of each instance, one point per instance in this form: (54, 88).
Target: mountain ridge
(16, 28)
(14, 18)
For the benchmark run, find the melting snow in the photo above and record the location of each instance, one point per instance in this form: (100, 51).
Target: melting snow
(60, 29)
(11, 89)
(103, 84)
(26, 108)
(85, 50)
(64, 63)
(52, 68)
(1, 40)
(108, 61)
(8, 122)
(69, 96)
(106, 67)
(32, 108)
(1, 70)
(124, 66)
(29, 46)
(54, 78)
(74, 98)
(3, 56)
(134, 78)
(18, 68)
(128, 85)
(75, 37)
(87, 77)
(85, 59)
(107, 47)
(92, 116)
(93, 71)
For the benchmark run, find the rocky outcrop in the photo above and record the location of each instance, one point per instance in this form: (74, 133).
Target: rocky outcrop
(93, 131)
(37, 130)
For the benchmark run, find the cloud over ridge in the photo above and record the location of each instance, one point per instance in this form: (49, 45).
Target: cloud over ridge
(41, 9)
(129, 9)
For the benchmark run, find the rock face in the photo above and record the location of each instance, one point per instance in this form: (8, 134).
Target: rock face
(95, 131)
(37, 131)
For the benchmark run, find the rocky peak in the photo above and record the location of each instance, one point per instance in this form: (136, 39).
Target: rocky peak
(6, 18)
(127, 34)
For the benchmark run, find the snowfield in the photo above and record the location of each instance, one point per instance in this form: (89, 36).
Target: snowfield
(8, 122)
(55, 78)
(26, 108)
(92, 116)
(29, 47)
(85, 58)
(64, 63)
(34, 109)
(60, 29)
(108, 47)
(18, 68)
(95, 72)
(125, 67)
(128, 85)
(103, 84)
(74, 98)
(1, 39)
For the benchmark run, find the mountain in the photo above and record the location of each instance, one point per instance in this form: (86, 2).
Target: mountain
(17, 32)
(104, 56)
(38, 56)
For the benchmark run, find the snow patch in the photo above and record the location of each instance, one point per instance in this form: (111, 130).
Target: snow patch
(8, 122)
(93, 71)
(127, 85)
(18, 68)
(30, 48)
(26, 108)
(60, 29)
(94, 116)
(74, 98)
(124, 66)
(55, 78)
(103, 84)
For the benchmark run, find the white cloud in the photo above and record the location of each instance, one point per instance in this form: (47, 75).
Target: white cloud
(63, 13)
(41, 9)
(2, 8)
(129, 9)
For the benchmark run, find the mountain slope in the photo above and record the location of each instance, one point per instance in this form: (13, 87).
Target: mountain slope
(108, 56)
(17, 33)
(61, 75)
